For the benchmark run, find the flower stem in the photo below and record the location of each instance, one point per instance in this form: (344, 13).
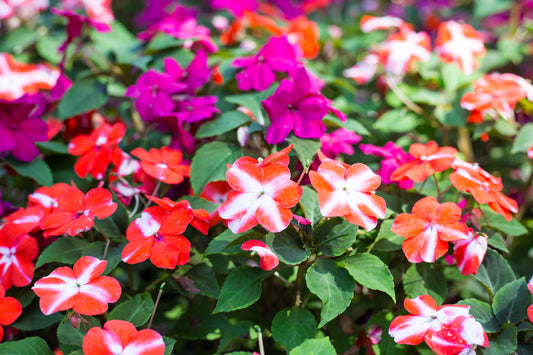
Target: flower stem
(260, 340)
(156, 304)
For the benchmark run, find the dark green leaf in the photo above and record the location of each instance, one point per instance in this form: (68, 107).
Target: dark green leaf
(424, 279)
(335, 236)
(482, 312)
(494, 272)
(221, 241)
(287, 246)
(523, 140)
(65, 250)
(84, 95)
(52, 147)
(305, 149)
(320, 346)
(511, 302)
(387, 345)
(496, 241)
(334, 287)
(309, 204)
(204, 280)
(28, 346)
(506, 342)
(36, 169)
(68, 335)
(225, 123)
(113, 256)
(209, 164)
(33, 318)
(136, 310)
(241, 289)
(232, 335)
(108, 227)
(292, 326)
(369, 271)
(387, 240)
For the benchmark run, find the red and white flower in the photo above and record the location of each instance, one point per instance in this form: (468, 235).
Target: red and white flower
(80, 288)
(429, 228)
(269, 260)
(164, 164)
(121, 337)
(10, 310)
(461, 44)
(402, 49)
(462, 337)
(363, 71)
(17, 251)
(372, 23)
(348, 191)
(469, 253)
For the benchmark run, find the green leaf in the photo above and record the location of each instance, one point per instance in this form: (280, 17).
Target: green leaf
(484, 8)
(511, 302)
(169, 345)
(292, 326)
(65, 250)
(506, 128)
(496, 241)
(498, 222)
(453, 78)
(136, 310)
(27, 346)
(424, 279)
(523, 140)
(369, 271)
(305, 149)
(334, 287)
(225, 123)
(84, 95)
(506, 342)
(309, 204)
(335, 236)
(232, 335)
(204, 280)
(482, 312)
(33, 318)
(113, 256)
(221, 241)
(397, 121)
(209, 164)
(314, 347)
(287, 246)
(68, 335)
(36, 169)
(494, 272)
(387, 240)
(14, 41)
(52, 147)
(251, 102)
(387, 345)
(241, 289)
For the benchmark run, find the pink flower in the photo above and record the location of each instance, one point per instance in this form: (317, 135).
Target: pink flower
(394, 156)
(461, 337)
(269, 260)
(364, 70)
(470, 252)
(339, 141)
(194, 76)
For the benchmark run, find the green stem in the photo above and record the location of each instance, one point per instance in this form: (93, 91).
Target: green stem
(156, 304)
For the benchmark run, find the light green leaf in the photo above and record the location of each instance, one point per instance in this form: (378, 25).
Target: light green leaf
(36, 169)
(292, 326)
(309, 204)
(424, 279)
(241, 289)
(397, 121)
(221, 241)
(225, 123)
(523, 140)
(498, 222)
(305, 149)
(136, 310)
(387, 240)
(84, 95)
(314, 347)
(484, 8)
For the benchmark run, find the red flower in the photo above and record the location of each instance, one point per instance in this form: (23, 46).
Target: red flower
(216, 192)
(429, 159)
(121, 337)
(75, 212)
(80, 288)
(530, 308)
(462, 337)
(200, 217)
(17, 250)
(27, 219)
(484, 187)
(469, 253)
(10, 310)
(348, 191)
(47, 197)
(269, 260)
(263, 193)
(96, 149)
(429, 229)
(157, 235)
(164, 164)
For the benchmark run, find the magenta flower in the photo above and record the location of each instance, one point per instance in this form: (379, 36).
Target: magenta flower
(196, 109)
(21, 127)
(339, 141)
(394, 157)
(153, 94)
(294, 106)
(194, 76)
(277, 55)
(237, 8)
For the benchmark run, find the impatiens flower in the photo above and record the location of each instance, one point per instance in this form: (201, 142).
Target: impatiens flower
(17, 251)
(164, 164)
(530, 308)
(294, 107)
(484, 187)
(364, 70)
(28, 218)
(20, 127)
(22, 9)
(304, 33)
(530, 152)
(200, 219)
(194, 76)
(277, 55)
(237, 8)
(10, 310)
(429, 228)
(97, 10)
(269, 260)
(429, 159)
(80, 288)
(348, 191)
(496, 95)
(394, 156)
(216, 192)
(461, 44)
(402, 49)
(17, 78)
(96, 149)
(194, 109)
(121, 337)
(371, 23)
(339, 141)
(263, 193)
(75, 212)
(470, 252)
(461, 337)
(157, 235)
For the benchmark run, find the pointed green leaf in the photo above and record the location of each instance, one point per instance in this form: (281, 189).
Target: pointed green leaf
(334, 287)
(523, 140)
(334, 236)
(305, 149)
(36, 169)
(27, 346)
(506, 342)
(225, 123)
(33, 318)
(68, 335)
(292, 326)
(65, 250)
(494, 272)
(287, 246)
(314, 347)
(309, 204)
(84, 95)
(387, 240)
(204, 279)
(511, 302)
(482, 312)
(221, 241)
(498, 222)
(424, 279)
(136, 310)
(241, 289)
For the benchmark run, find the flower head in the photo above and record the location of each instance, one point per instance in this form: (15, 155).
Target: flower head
(269, 260)
(469, 253)
(17, 251)
(339, 141)
(10, 310)
(394, 156)
(164, 164)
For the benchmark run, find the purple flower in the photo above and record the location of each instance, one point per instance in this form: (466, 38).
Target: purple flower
(196, 109)
(339, 141)
(21, 126)
(196, 74)
(154, 11)
(278, 55)
(236, 7)
(394, 157)
(294, 106)
(153, 93)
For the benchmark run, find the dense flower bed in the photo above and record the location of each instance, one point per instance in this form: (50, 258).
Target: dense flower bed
(264, 176)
